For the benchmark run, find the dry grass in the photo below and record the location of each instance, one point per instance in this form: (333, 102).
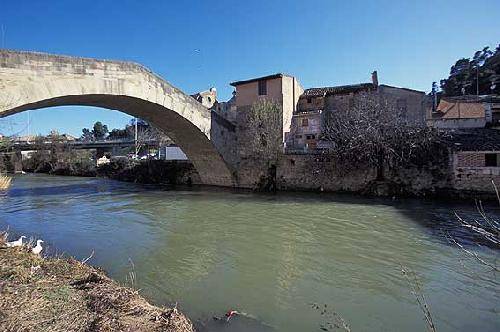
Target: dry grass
(56, 294)
(5, 182)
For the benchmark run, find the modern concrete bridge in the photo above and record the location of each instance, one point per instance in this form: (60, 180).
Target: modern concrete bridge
(30, 80)
(75, 145)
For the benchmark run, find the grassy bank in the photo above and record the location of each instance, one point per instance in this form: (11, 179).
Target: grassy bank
(60, 294)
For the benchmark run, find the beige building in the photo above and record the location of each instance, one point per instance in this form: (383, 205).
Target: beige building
(207, 98)
(280, 88)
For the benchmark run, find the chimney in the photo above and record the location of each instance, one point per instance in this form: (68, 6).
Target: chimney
(375, 78)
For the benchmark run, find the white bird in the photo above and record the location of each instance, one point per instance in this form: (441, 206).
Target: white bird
(16, 243)
(38, 249)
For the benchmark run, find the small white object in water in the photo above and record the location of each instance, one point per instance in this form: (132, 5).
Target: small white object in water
(38, 249)
(16, 243)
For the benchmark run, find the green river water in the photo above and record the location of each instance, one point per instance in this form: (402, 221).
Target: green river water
(269, 256)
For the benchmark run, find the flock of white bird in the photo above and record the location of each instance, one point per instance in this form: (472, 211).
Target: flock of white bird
(19, 243)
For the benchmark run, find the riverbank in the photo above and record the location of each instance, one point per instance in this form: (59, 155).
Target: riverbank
(164, 172)
(303, 176)
(63, 294)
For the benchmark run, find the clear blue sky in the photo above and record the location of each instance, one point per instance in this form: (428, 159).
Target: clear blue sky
(410, 43)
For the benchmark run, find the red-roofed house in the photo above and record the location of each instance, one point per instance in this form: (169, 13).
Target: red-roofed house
(452, 113)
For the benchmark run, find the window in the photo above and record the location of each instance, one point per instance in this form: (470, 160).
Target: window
(401, 105)
(309, 100)
(305, 122)
(262, 88)
(490, 160)
(298, 136)
(351, 103)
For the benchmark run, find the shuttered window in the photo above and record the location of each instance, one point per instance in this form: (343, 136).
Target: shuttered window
(262, 88)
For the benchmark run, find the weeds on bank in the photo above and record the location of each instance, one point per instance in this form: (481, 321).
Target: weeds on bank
(131, 278)
(5, 182)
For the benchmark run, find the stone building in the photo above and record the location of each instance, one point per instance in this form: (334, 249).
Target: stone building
(230, 131)
(304, 166)
(475, 160)
(207, 98)
(314, 103)
(280, 88)
(466, 112)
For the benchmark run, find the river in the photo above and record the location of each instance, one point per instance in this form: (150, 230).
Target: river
(269, 256)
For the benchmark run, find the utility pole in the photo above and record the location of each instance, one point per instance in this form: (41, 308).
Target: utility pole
(477, 80)
(434, 97)
(3, 36)
(136, 150)
(29, 126)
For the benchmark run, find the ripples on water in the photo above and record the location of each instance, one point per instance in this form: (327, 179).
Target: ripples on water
(267, 255)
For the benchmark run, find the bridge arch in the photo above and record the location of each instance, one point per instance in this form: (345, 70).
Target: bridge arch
(30, 80)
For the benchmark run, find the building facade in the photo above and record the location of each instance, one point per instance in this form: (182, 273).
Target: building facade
(476, 159)
(464, 112)
(315, 103)
(282, 89)
(207, 98)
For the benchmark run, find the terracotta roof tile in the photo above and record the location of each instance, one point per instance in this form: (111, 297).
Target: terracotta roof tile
(460, 110)
(342, 89)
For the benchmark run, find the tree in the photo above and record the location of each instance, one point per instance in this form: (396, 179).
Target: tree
(86, 135)
(264, 130)
(99, 131)
(120, 134)
(263, 137)
(476, 75)
(373, 134)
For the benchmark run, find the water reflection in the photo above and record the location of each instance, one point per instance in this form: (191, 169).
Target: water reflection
(268, 255)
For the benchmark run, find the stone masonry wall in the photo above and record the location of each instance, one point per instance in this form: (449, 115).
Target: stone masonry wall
(476, 178)
(470, 173)
(318, 173)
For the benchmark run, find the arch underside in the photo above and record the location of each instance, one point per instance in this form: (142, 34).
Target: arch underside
(194, 143)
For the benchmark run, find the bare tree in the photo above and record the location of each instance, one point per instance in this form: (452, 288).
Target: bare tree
(373, 133)
(150, 136)
(264, 133)
(263, 140)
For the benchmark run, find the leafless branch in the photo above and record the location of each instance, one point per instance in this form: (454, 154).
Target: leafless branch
(416, 290)
(88, 258)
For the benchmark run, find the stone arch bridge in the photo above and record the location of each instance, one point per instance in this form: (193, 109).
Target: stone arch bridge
(30, 80)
